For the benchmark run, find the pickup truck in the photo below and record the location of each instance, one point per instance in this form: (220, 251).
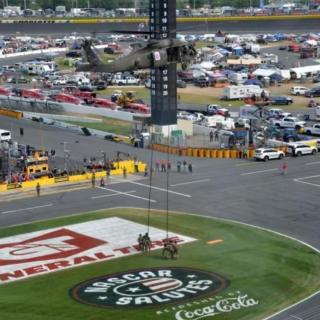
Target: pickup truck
(313, 130)
(280, 100)
(127, 80)
(289, 122)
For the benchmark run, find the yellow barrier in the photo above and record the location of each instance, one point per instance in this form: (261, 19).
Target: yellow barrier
(213, 153)
(194, 152)
(251, 153)
(226, 154)
(45, 181)
(207, 153)
(233, 154)
(11, 113)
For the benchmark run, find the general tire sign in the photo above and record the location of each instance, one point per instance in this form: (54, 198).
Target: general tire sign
(36, 253)
(148, 287)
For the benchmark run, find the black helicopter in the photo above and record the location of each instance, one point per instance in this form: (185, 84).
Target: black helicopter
(153, 54)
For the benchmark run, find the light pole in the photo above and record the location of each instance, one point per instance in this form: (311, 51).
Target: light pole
(65, 155)
(104, 158)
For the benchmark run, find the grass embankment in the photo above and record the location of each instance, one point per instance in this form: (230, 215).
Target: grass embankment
(274, 270)
(119, 127)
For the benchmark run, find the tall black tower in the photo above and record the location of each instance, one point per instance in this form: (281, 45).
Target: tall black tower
(162, 24)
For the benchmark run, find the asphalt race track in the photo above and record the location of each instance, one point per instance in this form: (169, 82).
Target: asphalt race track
(270, 26)
(246, 191)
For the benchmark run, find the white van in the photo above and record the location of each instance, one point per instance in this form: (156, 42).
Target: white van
(5, 135)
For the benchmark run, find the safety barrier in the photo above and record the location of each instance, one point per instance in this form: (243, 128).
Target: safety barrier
(11, 113)
(130, 166)
(209, 153)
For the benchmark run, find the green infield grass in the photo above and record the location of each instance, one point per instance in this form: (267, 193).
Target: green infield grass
(120, 127)
(273, 270)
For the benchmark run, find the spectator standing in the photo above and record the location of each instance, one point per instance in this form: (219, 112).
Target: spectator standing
(211, 136)
(124, 172)
(184, 166)
(284, 168)
(93, 180)
(179, 166)
(38, 189)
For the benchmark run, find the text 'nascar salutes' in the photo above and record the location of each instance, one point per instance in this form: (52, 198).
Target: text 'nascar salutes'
(148, 287)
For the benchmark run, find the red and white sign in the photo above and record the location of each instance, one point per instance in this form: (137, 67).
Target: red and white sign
(50, 250)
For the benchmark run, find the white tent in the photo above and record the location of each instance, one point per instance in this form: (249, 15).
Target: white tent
(302, 71)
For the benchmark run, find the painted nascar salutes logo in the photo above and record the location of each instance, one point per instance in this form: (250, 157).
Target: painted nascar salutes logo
(46, 251)
(148, 287)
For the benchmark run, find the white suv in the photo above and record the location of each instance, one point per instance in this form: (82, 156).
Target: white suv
(301, 149)
(298, 91)
(268, 154)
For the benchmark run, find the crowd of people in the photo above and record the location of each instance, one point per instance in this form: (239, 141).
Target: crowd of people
(165, 165)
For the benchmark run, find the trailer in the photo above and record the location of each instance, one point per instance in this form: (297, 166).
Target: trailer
(241, 92)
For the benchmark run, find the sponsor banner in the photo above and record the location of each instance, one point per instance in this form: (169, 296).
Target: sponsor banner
(45, 251)
(148, 287)
(219, 306)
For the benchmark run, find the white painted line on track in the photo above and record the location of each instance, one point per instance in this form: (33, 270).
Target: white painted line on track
(301, 180)
(295, 317)
(27, 209)
(308, 183)
(189, 182)
(312, 163)
(126, 194)
(262, 171)
(157, 188)
(306, 178)
(111, 195)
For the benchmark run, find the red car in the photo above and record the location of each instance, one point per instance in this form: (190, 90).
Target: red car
(5, 92)
(137, 108)
(66, 98)
(105, 103)
(32, 94)
(87, 96)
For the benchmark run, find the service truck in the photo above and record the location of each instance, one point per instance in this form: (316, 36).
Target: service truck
(312, 130)
(289, 122)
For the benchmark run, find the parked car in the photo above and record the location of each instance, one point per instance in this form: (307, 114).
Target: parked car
(266, 154)
(312, 130)
(109, 50)
(301, 149)
(74, 54)
(297, 91)
(100, 85)
(280, 100)
(185, 115)
(289, 122)
(202, 81)
(316, 79)
(181, 83)
(314, 92)
(214, 109)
